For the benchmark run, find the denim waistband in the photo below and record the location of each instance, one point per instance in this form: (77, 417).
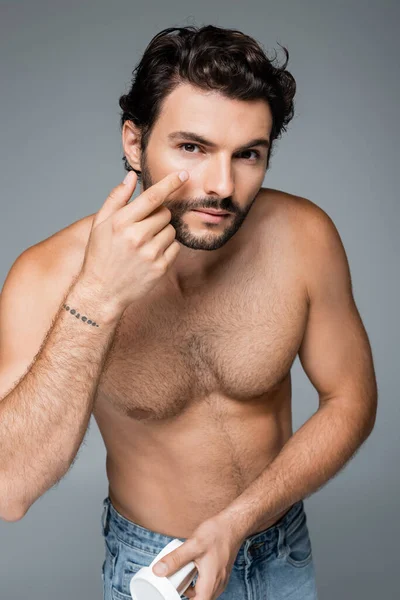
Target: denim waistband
(268, 541)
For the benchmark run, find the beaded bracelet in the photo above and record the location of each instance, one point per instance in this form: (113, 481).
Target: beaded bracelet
(77, 315)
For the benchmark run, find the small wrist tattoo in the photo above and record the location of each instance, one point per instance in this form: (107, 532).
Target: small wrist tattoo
(78, 316)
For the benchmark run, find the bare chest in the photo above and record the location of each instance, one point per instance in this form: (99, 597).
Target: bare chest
(234, 338)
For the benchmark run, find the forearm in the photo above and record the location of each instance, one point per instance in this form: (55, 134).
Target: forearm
(312, 456)
(44, 418)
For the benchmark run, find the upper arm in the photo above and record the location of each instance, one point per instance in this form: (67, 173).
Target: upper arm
(335, 352)
(28, 302)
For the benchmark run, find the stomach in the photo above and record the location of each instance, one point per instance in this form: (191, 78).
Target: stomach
(169, 476)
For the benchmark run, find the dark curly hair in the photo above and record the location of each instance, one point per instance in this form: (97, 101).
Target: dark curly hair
(209, 57)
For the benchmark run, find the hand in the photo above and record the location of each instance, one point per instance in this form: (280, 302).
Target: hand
(132, 245)
(213, 548)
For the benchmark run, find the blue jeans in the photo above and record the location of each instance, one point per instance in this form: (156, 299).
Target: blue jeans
(274, 564)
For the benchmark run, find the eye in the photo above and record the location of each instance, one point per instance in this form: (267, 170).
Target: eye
(255, 158)
(188, 144)
(257, 154)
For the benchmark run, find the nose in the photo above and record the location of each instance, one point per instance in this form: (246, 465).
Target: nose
(218, 178)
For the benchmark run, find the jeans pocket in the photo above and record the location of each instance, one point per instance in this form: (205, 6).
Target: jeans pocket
(298, 543)
(129, 561)
(129, 570)
(117, 595)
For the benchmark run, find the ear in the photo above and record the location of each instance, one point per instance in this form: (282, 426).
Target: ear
(131, 144)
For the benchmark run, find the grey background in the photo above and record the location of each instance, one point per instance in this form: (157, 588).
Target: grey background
(63, 67)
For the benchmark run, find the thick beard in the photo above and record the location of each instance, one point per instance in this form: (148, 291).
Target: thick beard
(208, 240)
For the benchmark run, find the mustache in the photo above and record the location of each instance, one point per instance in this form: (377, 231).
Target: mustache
(186, 205)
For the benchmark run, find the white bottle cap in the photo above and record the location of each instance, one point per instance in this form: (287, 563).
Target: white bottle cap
(146, 585)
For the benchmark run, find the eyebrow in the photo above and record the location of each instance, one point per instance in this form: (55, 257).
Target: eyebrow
(177, 135)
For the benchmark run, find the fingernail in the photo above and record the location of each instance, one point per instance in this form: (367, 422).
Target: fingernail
(128, 177)
(183, 175)
(160, 568)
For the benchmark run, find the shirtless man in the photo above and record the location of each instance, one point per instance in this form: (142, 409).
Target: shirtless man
(178, 332)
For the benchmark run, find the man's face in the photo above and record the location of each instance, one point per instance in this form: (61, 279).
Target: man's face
(222, 177)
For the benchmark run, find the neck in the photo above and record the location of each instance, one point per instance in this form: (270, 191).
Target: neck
(192, 263)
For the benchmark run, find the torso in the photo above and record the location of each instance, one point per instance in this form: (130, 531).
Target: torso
(194, 400)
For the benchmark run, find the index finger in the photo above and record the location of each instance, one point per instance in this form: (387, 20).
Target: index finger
(178, 558)
(154, 196)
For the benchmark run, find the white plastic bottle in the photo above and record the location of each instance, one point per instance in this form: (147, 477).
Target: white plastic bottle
(146, 585)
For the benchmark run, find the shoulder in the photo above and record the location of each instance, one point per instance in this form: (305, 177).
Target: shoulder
(289, 206)
(307, 221)
(308, 233)
(69, 241)
(59, 256)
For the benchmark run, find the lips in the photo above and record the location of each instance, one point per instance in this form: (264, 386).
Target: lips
(211, 212)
